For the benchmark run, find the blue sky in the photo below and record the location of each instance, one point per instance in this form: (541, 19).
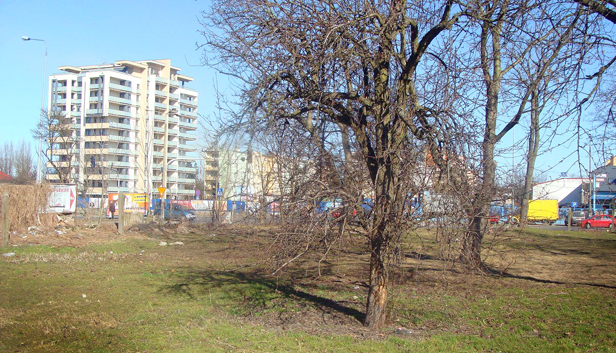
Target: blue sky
(95, 32)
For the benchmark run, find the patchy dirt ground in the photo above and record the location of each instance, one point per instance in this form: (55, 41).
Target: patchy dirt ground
(63, 231)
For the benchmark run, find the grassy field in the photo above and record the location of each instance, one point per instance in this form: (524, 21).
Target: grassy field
(547, 291)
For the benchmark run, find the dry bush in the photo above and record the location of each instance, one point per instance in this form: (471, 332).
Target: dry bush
(24, 202)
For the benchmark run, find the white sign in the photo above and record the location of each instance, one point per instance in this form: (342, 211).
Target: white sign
(63, 199)
(599, 179)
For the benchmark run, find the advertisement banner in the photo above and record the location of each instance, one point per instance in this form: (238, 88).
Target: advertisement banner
(63, 199)
(133, 203)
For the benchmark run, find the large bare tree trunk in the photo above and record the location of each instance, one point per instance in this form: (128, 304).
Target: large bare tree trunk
(377, 295)
(533, 148)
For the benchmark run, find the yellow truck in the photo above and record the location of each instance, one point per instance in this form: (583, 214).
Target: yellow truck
(543, 211)
(540, 211)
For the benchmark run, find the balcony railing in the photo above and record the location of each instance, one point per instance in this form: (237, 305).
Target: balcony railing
(120, 126)
(187, 125)
(116, 138)
(188, 136)
(186, 112)
(119, 112)
(120, 100)
(118, 87)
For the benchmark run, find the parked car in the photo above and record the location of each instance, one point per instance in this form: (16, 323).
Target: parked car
(177, 212)
(598, 221)
(494, 218)
(576, 218)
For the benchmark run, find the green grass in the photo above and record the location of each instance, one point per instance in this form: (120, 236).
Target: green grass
(557, 294)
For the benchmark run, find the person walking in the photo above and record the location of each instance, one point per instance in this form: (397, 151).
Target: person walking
(112, 209)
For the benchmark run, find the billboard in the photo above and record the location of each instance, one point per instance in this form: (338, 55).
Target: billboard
(63, 199)
(133, 203)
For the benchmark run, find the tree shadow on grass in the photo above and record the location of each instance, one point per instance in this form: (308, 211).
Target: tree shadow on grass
(248, 292)
(546, 281)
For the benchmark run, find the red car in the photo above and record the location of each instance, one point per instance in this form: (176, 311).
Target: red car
(598, 221)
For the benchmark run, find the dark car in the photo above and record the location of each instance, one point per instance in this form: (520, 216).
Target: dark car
(177, 212)
(598, 221)
(576, 218)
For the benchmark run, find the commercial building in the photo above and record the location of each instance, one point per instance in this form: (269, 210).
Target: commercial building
(129, 126)
(568, 191)
(240, 175)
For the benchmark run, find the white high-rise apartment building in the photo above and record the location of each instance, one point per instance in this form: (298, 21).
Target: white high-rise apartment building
(132, 127)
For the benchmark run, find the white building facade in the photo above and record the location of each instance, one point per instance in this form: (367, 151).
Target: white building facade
(133, 128)
(566, 190)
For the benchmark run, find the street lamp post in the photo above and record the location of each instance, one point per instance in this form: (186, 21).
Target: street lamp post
(40, 141)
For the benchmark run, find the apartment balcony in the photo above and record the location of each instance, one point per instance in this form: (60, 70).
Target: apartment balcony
(117, 112)
(60, 89)
(172, 155)
(186, 181)
(120, 100)
(188, 148)
(61, 100)
(157, 178)
(159, 93)
(187, 136)
(120, 126)
(115, 164)
(187, 125)
(192, 103)
(187, 113)
(173, 132)
(94, 112)
(119, 151)
(76, 89)
(158, 154)
(191, 90)
(120, 88)
(116, 138)
(162, 80)
(160, 130)
(158, 117)
(173, 119)
(188, 169)
(174, 96)
(75, 114)
(115, 189)
(175, 83)
(172, 167)
(124, 177)
(158, 142)
(96, 86)
(172, 143)
(160, 105)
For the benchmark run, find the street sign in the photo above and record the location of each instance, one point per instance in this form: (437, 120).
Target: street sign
(574, 204)
(219, 192)
(161, 191)
(563, 174)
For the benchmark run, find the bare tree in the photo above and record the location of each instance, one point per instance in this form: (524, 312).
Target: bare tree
(24, 164)
(317, 63)
(7, 158)
(509, 34)
(59, 143)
